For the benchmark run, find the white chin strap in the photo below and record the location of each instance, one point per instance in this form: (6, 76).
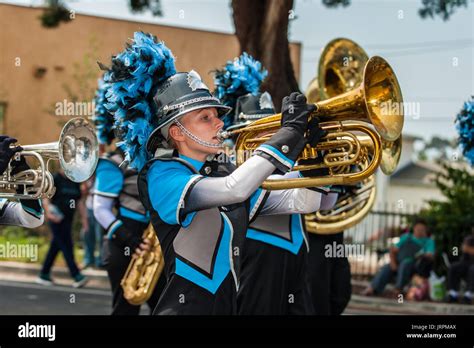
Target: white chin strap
(197, 139)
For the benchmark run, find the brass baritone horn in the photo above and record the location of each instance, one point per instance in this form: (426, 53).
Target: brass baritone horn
(340, 69)
(77, 151)
(342, 117)
(143, 271)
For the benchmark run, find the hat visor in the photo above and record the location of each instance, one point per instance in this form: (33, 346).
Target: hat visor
(238, 125)
(246, 122)
(153, 141)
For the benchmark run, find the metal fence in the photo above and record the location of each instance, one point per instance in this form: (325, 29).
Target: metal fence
(374, 235)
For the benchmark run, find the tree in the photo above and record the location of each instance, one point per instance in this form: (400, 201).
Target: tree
(262, 30)
(430, 8)
(84, 79)
(139, 6)
(452, 219)
(261, 27)
(54, 13)
(442, 148)
(442, 8)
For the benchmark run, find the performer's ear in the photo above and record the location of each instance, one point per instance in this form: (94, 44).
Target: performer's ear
(175, 133)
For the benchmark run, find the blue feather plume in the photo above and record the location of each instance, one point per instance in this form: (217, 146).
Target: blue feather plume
(133, 78)
(465, 128)
(241, 76)
(103, 119)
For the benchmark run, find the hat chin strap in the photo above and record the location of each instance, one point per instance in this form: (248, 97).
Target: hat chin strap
(196, 138)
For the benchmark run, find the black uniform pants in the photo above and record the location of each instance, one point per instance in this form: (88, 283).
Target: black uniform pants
(330, 278)
(273, 281)
(116, 261)
(183, 297)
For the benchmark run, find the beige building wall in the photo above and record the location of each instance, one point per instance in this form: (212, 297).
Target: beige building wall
(415, 196)
(27, 48)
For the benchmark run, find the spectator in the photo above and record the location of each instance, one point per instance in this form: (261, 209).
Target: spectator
(59, 212)
(93, 235)
(463, 269)
(412, 254)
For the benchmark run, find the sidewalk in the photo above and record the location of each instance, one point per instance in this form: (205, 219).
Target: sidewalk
(28, 272)
(391, 306)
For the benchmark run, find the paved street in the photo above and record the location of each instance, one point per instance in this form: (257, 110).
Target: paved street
(30, 298)
(24, 297)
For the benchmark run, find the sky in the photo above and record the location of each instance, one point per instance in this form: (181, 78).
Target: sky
(433, 59)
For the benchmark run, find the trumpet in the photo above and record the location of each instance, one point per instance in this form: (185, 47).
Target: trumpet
(343, 117)
(77, 151)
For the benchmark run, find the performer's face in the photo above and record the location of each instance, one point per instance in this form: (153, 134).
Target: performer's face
(204, 124)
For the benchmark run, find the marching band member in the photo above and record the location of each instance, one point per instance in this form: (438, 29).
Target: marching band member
(116, 187)
(27, 213)
(272, 242)
(200, 207)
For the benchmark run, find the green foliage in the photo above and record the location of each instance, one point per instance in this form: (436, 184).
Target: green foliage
(442, 147)
(143, 5)
(84, 77)
(430, 8)
(40, 236)
(22, 236)
(85, 74)
(55, 13)
(336, 3)
(452, 219)
(441, 8)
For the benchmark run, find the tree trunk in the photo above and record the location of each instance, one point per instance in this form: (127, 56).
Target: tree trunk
(261, 27)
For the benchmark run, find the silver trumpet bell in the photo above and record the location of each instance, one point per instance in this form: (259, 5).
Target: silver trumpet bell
(77, 151)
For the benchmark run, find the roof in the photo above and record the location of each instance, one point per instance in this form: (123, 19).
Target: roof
(416, 173)
(408, 137)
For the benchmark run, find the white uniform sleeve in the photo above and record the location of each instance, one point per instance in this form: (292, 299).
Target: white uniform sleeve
(14, 213)
(103, 210)
(239, 185)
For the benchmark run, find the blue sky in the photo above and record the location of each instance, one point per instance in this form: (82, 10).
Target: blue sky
(433, 59)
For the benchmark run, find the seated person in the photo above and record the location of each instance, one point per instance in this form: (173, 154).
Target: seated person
(463, 269)
(412, 254)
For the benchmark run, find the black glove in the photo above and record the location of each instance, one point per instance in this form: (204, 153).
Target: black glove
(295, 112)
(122, 237)
(19, 166)
(344, 190)
(289, 141)
(7, 152)
(315, 133)
(311, 173)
